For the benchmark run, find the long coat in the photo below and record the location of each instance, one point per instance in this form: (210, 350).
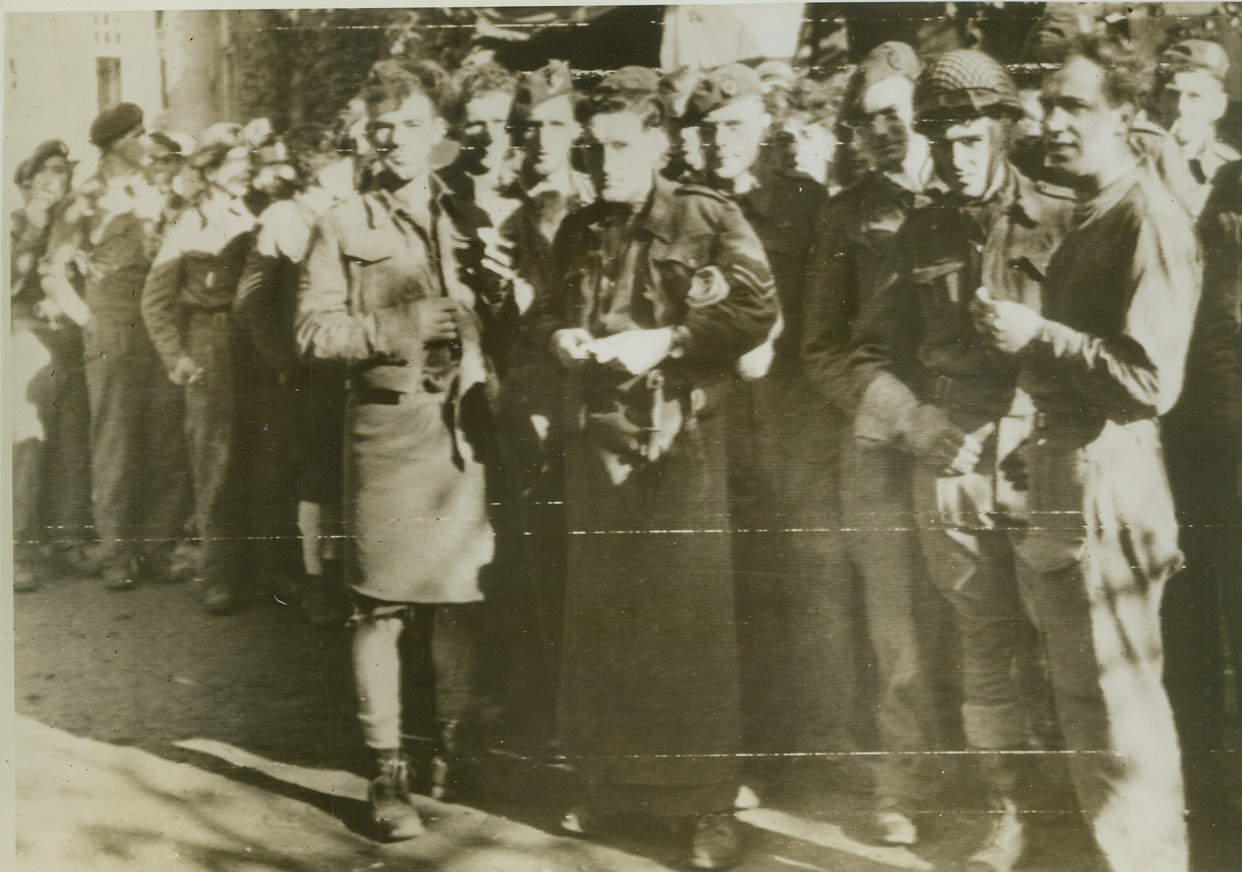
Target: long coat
(649, 689)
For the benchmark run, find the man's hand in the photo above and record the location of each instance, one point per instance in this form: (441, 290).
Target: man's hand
(572, 347)
(186, 372)
(1010, 326)
(436, 319)
(932, 436)
(635, 351)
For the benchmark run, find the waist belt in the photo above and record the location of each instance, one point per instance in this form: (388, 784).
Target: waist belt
(365, 395)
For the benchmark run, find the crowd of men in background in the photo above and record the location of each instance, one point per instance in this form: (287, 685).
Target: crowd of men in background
(674, 416)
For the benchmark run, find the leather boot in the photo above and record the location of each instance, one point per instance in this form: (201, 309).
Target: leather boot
(389, 794)
(1006, 839)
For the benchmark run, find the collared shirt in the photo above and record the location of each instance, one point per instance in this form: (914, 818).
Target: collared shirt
(917, 324)
(198, 268)
(1120, 301)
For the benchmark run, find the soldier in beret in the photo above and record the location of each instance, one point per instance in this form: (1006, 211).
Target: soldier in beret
(661, 289)
(854, 237)
(109, 233)
(925, 382)
(793, 612)
(1190, 100)
(51, 476)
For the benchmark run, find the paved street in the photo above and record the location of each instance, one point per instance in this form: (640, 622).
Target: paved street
(153, 737)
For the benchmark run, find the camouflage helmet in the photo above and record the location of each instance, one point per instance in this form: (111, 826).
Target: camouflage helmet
(962, 85)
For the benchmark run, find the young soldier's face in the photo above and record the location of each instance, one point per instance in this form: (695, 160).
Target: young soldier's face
(490, 112)
(234, 173)
(969, 156)
(1083, 134)
(53, 179)
(888, 114)
(624, 156)
(1191, 104)
(406, 135)
(732, 136)
(549, 136)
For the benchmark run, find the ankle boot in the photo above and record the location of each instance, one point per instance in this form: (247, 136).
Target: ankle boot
(1006, 839)
(1005, 842)
(389, 794)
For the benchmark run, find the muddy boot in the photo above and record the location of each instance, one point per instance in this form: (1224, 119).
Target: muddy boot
(395, 817)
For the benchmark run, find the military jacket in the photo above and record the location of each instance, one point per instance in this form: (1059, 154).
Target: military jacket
(782, 209)
(266, 303)
(689, 258)
(198, 269)
(917, 325)
(854, 235)
(109, 234)
(370, 260)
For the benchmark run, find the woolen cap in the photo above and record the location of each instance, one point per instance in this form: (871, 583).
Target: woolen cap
(111, 124)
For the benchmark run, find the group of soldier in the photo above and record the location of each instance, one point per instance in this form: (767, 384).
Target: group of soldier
(588, 383)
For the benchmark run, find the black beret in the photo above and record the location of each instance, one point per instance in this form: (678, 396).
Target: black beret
(111, 124)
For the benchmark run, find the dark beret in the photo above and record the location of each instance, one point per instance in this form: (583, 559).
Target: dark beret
(720, 87)
(28, 168)
(111, 124)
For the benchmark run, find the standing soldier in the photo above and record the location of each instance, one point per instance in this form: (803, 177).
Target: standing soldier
(186, 305)
(109, 233)
(794, 614)
(382, 292)
(929, 383)
(854, 238)
(663, 288)
(305, 403)
(530, 521)
(1102, 360)
(51, 481)
(1190, 101)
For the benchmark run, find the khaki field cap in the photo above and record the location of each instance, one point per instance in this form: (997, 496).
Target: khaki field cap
(721, 87)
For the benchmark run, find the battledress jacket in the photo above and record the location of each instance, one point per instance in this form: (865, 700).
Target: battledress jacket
(650, 688)
(415, 506)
